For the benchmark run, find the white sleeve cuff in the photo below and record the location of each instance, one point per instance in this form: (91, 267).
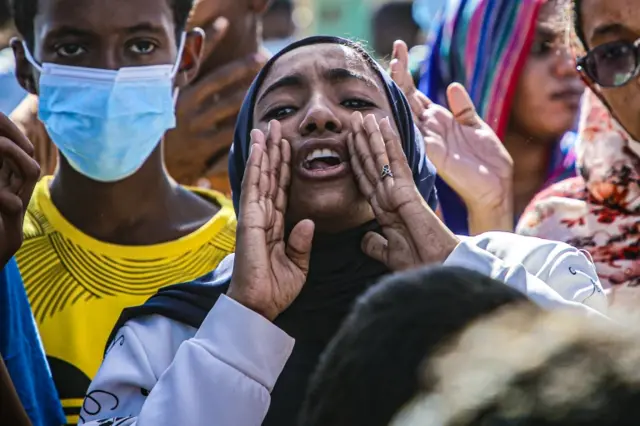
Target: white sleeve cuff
(245, 340)
(468, 255)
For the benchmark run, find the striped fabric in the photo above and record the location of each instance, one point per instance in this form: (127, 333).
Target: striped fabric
(484, 44)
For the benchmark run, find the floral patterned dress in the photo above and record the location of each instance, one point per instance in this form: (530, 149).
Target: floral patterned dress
(599, 211)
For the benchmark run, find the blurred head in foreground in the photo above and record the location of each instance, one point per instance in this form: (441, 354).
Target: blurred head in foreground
(371, 368)
(532, 368)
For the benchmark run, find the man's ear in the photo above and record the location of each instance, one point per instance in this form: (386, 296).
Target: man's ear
(24, 70)
(259, 6)
(191, 57)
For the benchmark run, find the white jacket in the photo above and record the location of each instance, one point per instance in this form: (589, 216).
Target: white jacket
(161, 372)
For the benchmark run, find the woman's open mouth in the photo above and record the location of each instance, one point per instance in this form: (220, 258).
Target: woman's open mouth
(321, 163)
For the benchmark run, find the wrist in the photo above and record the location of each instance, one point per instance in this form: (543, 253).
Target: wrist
(434, 239)
(248, 302)
(486, 218)
(448, 242)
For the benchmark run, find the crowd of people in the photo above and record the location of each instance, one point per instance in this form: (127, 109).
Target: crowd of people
(206, 221)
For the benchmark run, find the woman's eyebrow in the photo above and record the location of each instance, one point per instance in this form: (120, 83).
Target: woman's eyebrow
(338, 75)
(547, 31)
(293, 80)
(604, 30)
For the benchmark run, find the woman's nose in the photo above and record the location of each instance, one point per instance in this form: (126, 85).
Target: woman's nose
(320, 117)
(565, 64)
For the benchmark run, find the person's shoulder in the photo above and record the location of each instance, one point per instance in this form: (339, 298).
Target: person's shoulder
(573, 188)
(562, 202)
(177, 310)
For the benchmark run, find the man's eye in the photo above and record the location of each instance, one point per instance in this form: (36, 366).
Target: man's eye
(142, 47)
(70, 50)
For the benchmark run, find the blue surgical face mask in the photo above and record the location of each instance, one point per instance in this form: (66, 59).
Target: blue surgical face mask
(106, 123)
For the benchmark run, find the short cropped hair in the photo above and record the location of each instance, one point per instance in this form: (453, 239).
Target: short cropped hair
(533, 369)
(371, 368)
(25, 11)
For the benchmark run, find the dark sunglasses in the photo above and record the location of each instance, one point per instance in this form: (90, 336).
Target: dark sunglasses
(612, 64)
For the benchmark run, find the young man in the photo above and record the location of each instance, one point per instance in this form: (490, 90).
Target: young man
(110, 227)
(196, 151)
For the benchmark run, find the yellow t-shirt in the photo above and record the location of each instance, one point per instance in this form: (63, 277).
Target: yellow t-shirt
(78, 286)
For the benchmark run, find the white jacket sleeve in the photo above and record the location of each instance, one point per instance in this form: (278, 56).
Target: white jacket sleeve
(553, 275)
(222, 376)
(567, 270)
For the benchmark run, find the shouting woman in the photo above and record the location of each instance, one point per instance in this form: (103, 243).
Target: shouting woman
(333, 191)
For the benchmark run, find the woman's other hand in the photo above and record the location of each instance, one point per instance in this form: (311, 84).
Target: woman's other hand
(413, 234)
(268, 273)
(465, 150)
(19, 173)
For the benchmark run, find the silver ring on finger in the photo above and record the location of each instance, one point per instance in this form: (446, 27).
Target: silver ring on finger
(386, 172)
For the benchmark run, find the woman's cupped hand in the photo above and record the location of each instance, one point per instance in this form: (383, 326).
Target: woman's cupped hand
(412, 234)
(268, 273)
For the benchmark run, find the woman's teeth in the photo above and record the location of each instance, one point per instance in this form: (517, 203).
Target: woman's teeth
(322, 159)
(322, 154)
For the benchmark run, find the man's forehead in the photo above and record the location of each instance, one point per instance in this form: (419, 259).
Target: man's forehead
(105, 13)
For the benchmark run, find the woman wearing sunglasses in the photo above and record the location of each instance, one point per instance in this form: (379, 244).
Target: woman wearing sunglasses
(600, 210)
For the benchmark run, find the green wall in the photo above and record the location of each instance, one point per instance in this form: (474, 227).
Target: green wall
(345, 18)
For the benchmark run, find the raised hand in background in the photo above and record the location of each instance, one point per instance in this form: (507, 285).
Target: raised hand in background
(207, 109)
(465, 150)
(19, 173)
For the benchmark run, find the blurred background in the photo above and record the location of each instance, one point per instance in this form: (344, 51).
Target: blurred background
(379, 22)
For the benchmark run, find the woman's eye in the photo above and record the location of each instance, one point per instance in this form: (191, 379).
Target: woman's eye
(279, 113)
(142, 47)
(616, 52)
(357, 104)
(542, 47)
(70, 50)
